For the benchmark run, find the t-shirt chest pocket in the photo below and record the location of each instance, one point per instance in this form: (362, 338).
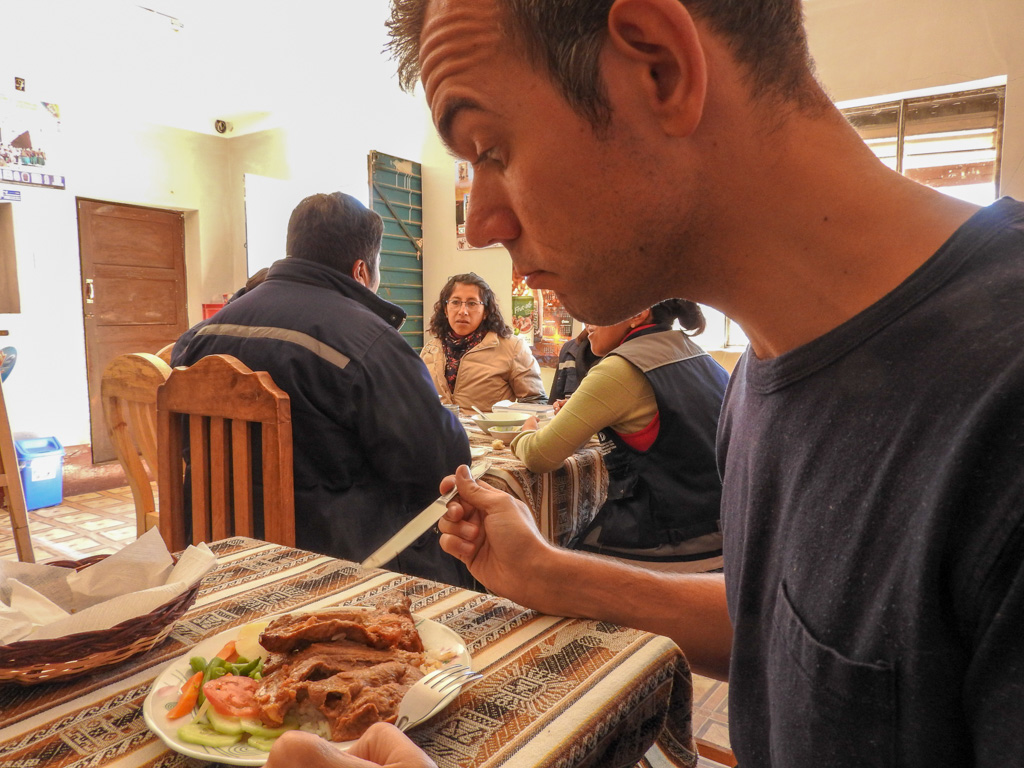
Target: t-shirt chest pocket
(813, 689)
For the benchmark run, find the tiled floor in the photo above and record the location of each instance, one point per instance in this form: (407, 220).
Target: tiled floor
(102, 522)
(711, 710)
(89, 524)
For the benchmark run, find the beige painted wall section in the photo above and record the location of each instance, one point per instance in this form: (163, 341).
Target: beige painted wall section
(222, 269)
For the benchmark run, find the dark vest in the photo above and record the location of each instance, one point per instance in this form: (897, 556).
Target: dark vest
(574, 360)
(671, 492)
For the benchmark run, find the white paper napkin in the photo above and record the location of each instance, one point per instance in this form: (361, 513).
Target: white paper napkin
(39, 602)
(143, 564)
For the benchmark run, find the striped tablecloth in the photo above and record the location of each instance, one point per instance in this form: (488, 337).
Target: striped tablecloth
(564, 501)
(556, 692)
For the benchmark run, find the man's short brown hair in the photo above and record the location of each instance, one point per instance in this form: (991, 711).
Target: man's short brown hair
(565, 38)
(336, 230)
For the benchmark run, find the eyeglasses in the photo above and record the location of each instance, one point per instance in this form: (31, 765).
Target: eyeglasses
(456, 304)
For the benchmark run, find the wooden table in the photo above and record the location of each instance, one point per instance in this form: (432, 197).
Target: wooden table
(563, 501)
(556, 692)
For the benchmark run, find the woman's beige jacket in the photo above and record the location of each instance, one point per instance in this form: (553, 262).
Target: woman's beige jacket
(495, 369)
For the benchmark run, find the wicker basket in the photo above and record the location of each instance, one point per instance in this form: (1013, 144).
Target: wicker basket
(39, 661)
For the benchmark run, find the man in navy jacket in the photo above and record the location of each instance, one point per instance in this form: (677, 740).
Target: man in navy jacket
(371, 440)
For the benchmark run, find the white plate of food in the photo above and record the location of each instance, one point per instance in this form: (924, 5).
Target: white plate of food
(477, 451)
(441, 646)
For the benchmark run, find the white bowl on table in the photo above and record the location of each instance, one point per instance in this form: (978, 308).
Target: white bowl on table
(500, 419)
(505, 433)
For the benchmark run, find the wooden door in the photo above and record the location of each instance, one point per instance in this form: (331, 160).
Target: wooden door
(133, 289)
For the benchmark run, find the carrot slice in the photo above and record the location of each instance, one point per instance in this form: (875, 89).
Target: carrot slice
(189, 694)
(228, 652)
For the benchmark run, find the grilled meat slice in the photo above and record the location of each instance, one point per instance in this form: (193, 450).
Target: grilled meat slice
(324, 659)
(389, 627)
(353, 701)
(334, 678)
(346, 667)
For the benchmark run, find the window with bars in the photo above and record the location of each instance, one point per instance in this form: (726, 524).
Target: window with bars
(950, 141)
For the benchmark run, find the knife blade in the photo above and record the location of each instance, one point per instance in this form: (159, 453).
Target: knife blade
(419, 524)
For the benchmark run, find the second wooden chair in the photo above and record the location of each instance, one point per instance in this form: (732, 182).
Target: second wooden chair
(224, 401)
(129, 390)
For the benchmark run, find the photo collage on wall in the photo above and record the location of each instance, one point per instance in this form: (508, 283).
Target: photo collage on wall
(30, 142)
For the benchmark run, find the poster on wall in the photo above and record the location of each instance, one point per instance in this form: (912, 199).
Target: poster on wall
(463, 185)
(30, 142)
(522, 317)
(524, 309)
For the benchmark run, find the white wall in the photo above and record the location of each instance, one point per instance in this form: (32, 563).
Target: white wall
(167, 168)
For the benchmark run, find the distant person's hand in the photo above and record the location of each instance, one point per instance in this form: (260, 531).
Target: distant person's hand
(530, 423)
(559, 404)
(381, 745)
(494, 535)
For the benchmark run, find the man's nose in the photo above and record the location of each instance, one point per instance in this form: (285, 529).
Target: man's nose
(490, 218)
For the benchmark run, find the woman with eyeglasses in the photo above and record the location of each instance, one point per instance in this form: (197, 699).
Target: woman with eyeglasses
(472, 356)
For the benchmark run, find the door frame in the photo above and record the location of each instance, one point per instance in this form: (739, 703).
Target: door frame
(87, 274)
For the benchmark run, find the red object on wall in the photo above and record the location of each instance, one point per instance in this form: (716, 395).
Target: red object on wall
(209, 310)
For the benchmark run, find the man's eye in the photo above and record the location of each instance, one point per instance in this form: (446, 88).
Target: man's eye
(485, 156)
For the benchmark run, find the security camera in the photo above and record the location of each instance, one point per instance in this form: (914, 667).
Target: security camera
(222, 126)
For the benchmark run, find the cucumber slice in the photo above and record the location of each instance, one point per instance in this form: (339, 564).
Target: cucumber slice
(194, 733)
(262, 742)
(257, 728)
(232, 726)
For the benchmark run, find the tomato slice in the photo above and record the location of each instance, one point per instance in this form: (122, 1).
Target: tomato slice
(233, 695)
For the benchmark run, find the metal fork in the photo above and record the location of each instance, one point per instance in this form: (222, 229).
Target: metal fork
(430, 692)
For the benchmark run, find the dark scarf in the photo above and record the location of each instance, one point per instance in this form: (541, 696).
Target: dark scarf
(454, 348)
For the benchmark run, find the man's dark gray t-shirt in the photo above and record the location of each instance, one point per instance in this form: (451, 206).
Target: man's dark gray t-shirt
(872, 507)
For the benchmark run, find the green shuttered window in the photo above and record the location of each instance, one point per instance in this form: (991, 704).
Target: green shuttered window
(396, 192)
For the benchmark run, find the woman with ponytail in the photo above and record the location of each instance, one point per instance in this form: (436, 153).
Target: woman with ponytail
(654, 400)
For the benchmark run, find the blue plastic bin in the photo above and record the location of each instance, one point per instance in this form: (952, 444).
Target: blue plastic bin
(41, 464)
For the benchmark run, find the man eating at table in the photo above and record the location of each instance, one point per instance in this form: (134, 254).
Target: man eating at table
(371, 440)
(627, 151)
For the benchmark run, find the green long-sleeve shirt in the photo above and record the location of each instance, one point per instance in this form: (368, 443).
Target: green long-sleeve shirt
(614, 393)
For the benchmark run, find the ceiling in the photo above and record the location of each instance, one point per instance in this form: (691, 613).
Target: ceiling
(187, 63)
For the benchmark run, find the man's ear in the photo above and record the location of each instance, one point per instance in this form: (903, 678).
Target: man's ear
(659, 42)
(361, 273)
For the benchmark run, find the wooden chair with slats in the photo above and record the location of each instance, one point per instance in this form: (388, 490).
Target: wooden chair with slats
(224, 401)
(164, 353)
(128, 390)
(720, 755)
(11, 489)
